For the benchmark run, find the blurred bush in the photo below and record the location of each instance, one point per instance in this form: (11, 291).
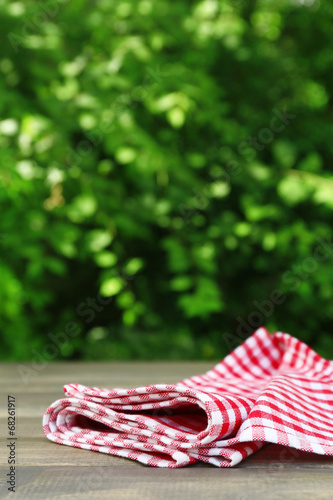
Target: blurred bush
(166, 176)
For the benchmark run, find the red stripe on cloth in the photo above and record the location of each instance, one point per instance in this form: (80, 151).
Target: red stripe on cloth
(272, 388)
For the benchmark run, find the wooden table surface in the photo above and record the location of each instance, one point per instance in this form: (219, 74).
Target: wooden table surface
(46, 470)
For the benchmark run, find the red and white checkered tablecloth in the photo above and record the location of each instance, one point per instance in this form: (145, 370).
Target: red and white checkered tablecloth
(272, 388)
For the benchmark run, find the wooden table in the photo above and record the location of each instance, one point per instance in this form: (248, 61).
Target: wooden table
(47, 470)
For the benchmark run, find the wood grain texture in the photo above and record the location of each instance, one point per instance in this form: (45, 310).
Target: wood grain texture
(47, 470)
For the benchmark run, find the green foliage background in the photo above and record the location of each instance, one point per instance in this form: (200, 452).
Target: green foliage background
(129, 176)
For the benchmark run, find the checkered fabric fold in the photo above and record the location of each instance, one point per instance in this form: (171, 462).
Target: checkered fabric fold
(272, 388)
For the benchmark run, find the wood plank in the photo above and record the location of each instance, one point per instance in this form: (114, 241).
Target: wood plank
(47, 470)
(199, 483)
